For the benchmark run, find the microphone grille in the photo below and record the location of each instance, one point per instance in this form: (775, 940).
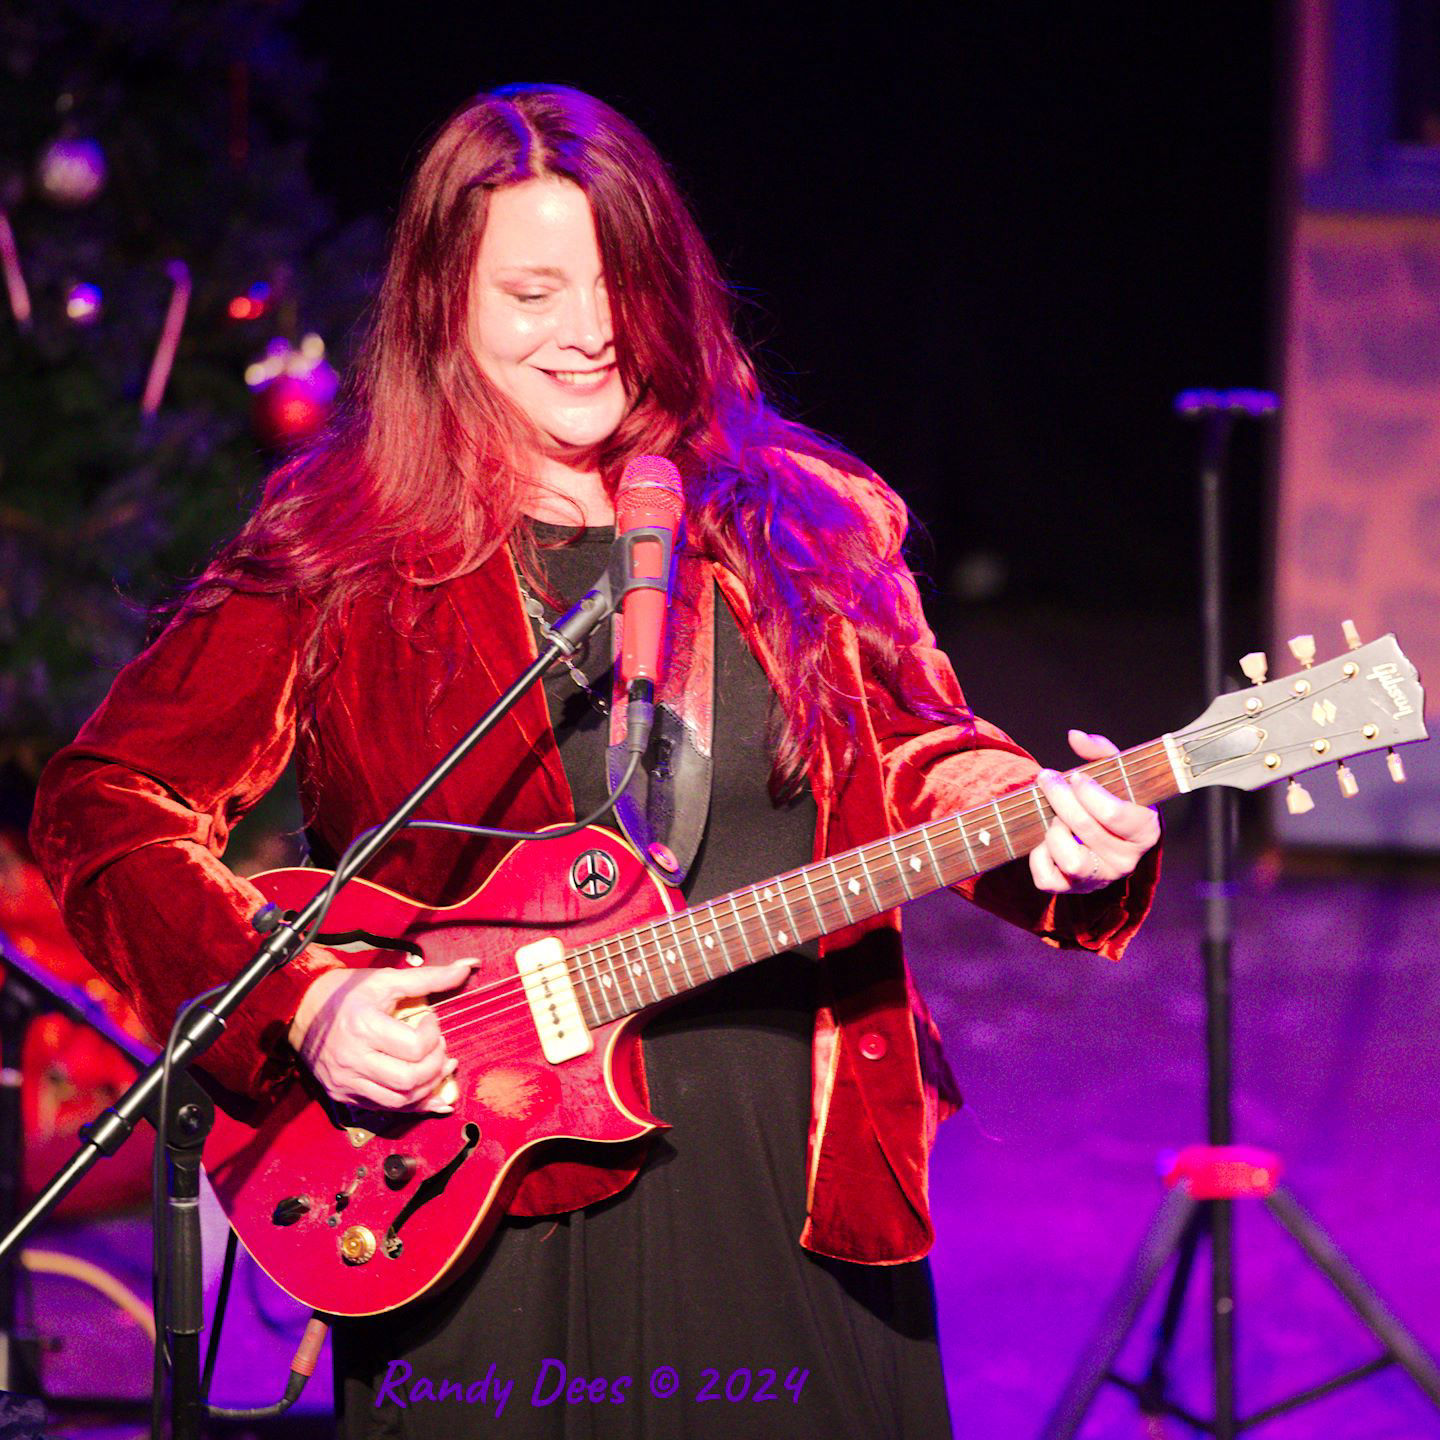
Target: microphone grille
(653, 473)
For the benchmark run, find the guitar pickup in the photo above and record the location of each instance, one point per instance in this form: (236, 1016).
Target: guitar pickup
(554, 1005)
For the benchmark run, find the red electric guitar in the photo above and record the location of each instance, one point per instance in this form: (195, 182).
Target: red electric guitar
(357, 1212)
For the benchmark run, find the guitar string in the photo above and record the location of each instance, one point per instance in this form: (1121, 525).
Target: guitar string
(724, 932)
(855, 857)
(471, 1006)
(591, 957)
(1142, 763)
(588, 957)
(595, 959)
(1144, 759)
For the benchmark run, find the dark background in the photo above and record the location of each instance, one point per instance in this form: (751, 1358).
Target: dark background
(984, 251)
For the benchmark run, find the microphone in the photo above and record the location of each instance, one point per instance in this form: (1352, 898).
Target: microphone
(648, 506)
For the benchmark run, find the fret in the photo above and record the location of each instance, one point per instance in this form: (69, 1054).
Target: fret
(1124, 775)
(629, 968)
(930, 850)
(822, 924)
(608, 983)
(675, 952)
(699, 950)
(869, 879)
(648, 967)
(744, 938)
(1004, 834)
(1040, 808)
(764, 919)
(840, 891)
(581, 972)
(960, 826)
(900, 870)
(794, 934)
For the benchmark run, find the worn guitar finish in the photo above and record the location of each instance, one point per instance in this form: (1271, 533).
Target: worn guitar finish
(358, 1212)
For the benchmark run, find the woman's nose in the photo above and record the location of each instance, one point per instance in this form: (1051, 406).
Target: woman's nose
(585, 323)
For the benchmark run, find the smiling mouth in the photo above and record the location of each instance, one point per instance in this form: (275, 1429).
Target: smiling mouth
(581, 379)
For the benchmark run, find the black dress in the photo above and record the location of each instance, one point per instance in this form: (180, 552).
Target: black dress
(697, 1265)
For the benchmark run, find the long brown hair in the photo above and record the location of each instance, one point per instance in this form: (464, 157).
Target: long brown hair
(426, 458)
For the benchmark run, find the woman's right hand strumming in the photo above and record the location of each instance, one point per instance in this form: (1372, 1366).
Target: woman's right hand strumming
(347, 1032)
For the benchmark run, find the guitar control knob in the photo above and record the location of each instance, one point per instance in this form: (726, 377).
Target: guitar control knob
(1349, 785)
(291, 1209)
(1297, 798)
(357, 1245)
(399, 1171)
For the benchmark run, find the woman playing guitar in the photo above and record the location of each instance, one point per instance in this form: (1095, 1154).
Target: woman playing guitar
(549, 313)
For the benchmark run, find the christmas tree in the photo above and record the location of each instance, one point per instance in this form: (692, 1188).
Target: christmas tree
(161, 241)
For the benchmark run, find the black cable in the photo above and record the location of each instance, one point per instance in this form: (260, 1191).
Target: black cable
(212, 1350)
(340, 877)
(160, 1218)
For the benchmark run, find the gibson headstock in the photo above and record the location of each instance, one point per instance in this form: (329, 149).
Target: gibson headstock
(1367, 699)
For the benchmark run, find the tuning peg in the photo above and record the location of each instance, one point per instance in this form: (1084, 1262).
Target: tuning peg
(1297, 798)
(1302, 647)
(1349, 785)
(1396, 766)
(1352, 635)
(1255, 666)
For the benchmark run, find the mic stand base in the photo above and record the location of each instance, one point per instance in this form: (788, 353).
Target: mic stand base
(1175, 1234)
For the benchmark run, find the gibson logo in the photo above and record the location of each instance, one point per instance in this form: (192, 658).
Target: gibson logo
(1388, 677)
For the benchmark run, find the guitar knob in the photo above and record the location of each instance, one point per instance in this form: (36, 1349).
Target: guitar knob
(399, 1170)
(291, 1209)
(357, 1245)
(1297, 798)
(1302, 647)
(1352, 635)
(1349, 786)
(1255, 666)
(1396, 766)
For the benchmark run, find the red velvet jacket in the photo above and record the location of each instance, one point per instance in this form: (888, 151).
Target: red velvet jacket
(133, 817)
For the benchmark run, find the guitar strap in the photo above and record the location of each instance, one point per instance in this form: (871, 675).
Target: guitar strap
(664, 808)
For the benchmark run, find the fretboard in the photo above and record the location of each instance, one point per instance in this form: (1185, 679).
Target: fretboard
(667, 957)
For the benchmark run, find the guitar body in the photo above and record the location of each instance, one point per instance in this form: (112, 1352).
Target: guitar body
(306, 1187)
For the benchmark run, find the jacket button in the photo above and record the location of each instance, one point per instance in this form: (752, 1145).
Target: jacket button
(873, 1045)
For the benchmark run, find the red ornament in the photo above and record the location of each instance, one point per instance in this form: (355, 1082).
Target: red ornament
(289, 410)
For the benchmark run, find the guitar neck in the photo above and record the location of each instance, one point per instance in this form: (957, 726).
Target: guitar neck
(637, 968)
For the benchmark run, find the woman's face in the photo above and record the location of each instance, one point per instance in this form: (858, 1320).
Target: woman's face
(539, 317)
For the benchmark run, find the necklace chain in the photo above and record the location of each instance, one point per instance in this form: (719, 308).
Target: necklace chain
(536, 611)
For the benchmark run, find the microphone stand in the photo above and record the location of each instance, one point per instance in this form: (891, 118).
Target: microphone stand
(284, 939)
(1205, 1180)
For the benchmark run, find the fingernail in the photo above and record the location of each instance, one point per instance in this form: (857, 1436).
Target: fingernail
(452, 1067)
(1049, 777)
(443, 1110)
